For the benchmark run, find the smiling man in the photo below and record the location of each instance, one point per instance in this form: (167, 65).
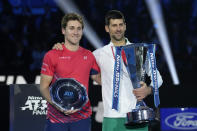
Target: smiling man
(115, 114)
(71, 62)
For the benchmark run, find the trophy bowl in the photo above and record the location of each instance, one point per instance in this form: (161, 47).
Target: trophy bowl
(68, 94)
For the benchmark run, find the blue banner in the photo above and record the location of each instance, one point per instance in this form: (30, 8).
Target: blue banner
(152, 58)
(116, 79)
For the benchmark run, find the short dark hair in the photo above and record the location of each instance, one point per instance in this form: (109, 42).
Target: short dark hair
(113, 14)
(71, 16)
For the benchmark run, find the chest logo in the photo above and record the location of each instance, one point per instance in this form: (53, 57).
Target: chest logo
(65, 57)
(85, 57)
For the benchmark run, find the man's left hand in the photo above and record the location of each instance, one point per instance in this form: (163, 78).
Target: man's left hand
(142, 92)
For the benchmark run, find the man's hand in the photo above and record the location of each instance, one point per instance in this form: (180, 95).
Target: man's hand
(97, 78)
(70, 111)
(58, 46)
(142, 92)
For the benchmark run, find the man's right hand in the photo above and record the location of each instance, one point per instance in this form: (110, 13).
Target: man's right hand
(68, 112)
(58, 46)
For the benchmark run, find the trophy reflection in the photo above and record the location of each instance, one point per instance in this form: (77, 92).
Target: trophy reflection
(137, 65)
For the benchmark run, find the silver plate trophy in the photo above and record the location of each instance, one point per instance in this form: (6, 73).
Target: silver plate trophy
(137, 64)
(68, 94)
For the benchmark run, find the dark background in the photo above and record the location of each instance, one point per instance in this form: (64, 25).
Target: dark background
(29, 28)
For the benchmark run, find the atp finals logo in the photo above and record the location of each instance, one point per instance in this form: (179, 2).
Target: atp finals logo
(37, 105)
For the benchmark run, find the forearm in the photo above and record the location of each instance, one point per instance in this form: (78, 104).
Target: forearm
(44, 87)
(45, 93)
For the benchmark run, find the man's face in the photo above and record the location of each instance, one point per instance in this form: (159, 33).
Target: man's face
(73, 32)
(116, 29)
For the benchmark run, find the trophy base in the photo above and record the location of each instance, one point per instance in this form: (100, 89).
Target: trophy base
(140, 117)
(137, 123)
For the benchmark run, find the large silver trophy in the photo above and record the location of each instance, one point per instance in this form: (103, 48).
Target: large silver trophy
(138, 57)
(68, 94)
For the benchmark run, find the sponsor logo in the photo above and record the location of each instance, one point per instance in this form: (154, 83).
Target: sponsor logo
(85, 57)
(20, 79)
(44, 69)
(44, 64)
(182, 121)
(68, 95)
(65, 57)
(36, 104)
